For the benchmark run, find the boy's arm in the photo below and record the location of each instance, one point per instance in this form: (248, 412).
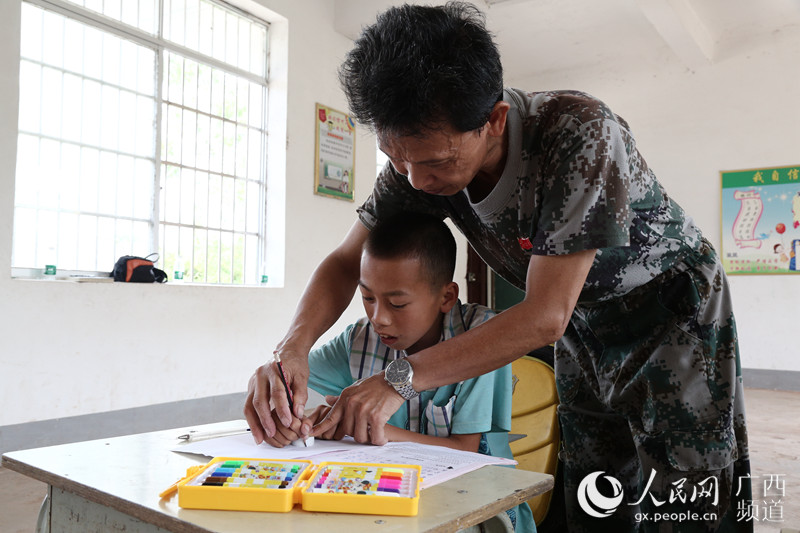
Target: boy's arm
(483, 403)
(467, 442)
(329, 365)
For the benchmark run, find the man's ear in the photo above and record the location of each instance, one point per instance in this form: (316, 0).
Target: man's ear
(497, 119)
(449, 297)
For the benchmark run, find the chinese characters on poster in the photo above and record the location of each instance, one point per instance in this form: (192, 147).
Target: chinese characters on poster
(761, 220)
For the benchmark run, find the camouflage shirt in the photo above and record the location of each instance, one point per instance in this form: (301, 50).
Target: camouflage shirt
(573, 181)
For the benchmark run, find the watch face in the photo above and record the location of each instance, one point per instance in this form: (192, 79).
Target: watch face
(398, 371)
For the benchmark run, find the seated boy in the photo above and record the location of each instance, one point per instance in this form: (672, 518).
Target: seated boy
(411, 301)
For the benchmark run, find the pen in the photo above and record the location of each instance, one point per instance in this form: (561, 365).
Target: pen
(200, 435)
(286, 386)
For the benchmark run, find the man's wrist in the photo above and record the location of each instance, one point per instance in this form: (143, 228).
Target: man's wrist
(291, 348)
(390, 388)
(400, 374)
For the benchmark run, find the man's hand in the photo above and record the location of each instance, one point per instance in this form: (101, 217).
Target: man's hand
(265, 394)
(362, 411)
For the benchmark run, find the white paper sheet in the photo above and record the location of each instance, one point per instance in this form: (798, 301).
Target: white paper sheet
(438, 463)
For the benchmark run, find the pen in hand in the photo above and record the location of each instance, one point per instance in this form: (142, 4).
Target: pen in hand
(289, 395)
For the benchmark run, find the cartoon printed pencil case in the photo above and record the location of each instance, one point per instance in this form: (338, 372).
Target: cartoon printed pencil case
(273, 485)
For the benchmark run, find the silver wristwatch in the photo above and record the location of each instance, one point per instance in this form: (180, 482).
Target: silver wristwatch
(399, 374)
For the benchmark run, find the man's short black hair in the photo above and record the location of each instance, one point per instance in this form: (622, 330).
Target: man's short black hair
(416, 236)
(420, 67)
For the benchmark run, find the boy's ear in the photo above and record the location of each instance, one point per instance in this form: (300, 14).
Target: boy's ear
(449, 297)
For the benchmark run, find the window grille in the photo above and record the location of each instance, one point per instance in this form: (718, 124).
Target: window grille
(142, 128)
(380, 161)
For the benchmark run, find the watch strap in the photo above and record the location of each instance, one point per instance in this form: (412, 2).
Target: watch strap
(406, 391)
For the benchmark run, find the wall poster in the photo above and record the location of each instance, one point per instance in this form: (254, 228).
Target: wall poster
(761, 220)
(335, 153)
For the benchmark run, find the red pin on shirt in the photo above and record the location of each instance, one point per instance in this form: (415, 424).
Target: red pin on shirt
(525, 243)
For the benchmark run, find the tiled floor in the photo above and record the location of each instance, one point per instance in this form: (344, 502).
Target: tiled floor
(773, 419)
(774, 426)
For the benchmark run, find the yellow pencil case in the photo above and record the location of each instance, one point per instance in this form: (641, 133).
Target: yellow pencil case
(238, 484)
(242, 484)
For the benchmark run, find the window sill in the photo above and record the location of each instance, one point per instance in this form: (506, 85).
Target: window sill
(84, 276)
(37, 274)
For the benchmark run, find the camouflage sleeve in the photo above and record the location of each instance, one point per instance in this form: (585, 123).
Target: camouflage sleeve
(585, 195)
(392, 194)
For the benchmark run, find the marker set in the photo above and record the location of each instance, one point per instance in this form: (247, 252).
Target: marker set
(242, 484)
(361, 479)
(276, 485)
(364, 489)
(250, 474)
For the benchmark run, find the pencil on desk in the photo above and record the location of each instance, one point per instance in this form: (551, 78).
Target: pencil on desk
(201, 435)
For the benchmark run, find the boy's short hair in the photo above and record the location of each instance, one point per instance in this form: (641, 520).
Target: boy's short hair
(419, 67)
(416, 236)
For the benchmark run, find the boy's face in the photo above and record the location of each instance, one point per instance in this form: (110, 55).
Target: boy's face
(401, 304)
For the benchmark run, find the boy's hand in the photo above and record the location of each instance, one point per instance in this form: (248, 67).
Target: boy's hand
(283, 435)
(265, 394)
(319, 413)
(362, 410)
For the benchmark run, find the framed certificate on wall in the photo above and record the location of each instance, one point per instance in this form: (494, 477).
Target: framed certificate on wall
(334, 168)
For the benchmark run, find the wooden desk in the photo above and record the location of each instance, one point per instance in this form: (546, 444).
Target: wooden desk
(113, 484)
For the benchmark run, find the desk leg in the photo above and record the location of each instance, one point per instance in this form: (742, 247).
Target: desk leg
(43, 521)
(70, 513)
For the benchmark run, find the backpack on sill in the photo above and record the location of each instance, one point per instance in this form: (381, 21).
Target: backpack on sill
(138, 270)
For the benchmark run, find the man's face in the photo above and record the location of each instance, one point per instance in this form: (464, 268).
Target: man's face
(401, 304)
(442, 161)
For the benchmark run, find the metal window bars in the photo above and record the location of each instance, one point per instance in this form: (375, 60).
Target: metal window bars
(138, 131)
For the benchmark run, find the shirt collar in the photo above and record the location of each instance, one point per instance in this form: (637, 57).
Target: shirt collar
(453, 322)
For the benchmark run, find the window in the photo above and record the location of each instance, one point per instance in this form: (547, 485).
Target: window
(142, 128)
(380, 160)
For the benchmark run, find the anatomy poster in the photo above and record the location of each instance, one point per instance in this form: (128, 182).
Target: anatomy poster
(761, 220)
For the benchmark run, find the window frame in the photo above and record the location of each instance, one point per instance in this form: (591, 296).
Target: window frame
(162, 47)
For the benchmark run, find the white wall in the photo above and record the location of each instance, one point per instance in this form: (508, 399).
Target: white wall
(69, 349)
(740, 111)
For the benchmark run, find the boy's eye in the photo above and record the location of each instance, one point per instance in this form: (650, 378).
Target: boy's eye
(398, 306)
(367, 298)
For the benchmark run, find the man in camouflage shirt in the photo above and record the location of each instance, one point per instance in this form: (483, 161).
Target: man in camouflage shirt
(551, 191)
